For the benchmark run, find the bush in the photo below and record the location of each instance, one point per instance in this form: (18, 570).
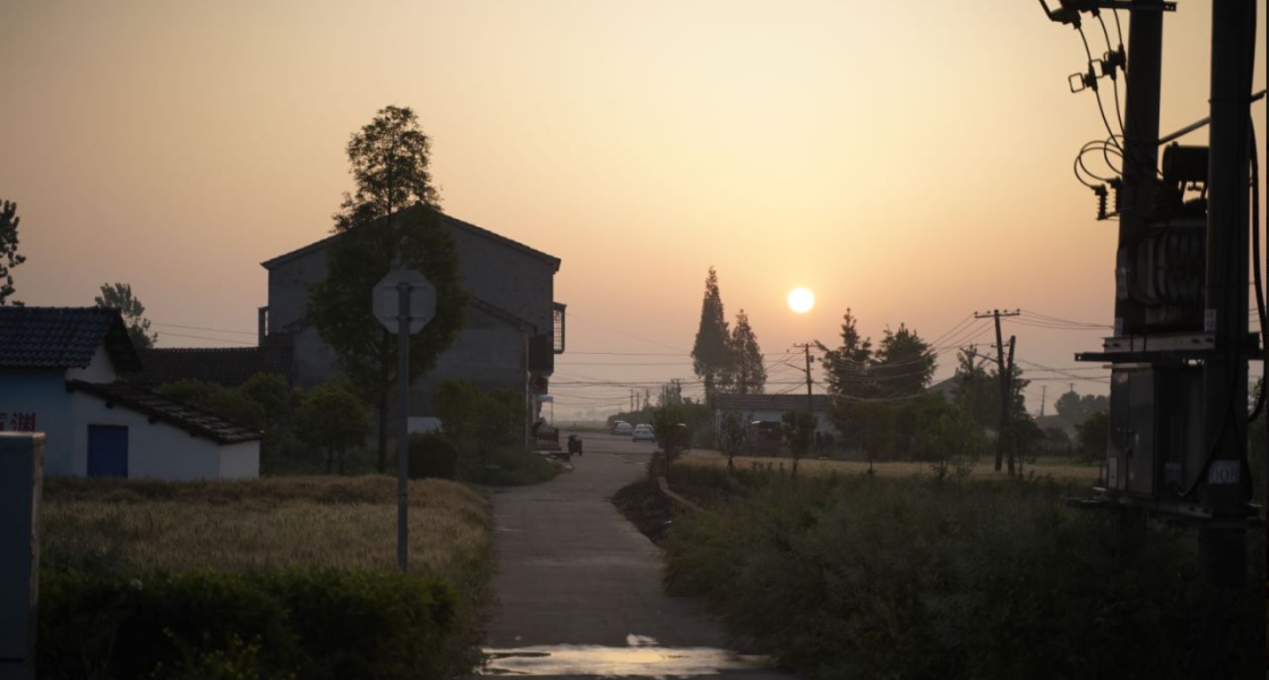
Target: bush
(309, 623)
(432, 455)
(513, 466)
(871, 578)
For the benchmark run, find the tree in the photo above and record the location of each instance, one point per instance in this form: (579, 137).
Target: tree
(799, 433)
(119, 296)
(389, 162)
(276, 400)
(847, 366)
(671, 433)
(747, 375)
(476, 422)
(333, 419)
(976, 391)
(733, 437)
(1094, 436)
(954, 444)
(904, 363)
(390, 220)
(847, 371)
(9, 257)
(711, 355)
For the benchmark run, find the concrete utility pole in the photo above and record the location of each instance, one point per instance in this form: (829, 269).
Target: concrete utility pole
(1044, 396)
(1005, 375)
(403, 434)
(1223, 540)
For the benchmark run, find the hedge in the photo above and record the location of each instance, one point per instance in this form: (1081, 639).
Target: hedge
(314, 623)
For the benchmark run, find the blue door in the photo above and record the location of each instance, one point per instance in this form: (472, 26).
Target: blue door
(107, 451)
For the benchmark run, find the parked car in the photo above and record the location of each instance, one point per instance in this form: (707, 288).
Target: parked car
(622, 428)
(643, 433)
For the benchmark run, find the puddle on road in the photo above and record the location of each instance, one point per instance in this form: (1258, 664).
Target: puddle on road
(643, 658)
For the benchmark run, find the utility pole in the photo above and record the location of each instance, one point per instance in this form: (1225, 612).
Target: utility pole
(1009, 406)
(1223, 541)
(1004, 371)
(810, 399)
(1044, 396)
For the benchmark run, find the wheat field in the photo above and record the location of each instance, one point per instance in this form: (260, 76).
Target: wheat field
(341, 522)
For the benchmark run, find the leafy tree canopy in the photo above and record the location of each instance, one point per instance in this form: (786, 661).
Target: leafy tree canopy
(711, 355)
(747, 375)
(9, 257)
(119, 296)
(390, 220)
(333, 418)
(904, 363)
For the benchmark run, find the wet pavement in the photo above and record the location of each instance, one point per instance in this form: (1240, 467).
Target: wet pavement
(579, 588)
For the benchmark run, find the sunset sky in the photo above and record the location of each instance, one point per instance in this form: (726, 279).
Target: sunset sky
(910, 160)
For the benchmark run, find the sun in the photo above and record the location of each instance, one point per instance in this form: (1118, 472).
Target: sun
(801, 300)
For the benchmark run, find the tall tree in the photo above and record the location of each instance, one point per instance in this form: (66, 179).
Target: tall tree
(904, 363)
(390, 220)
(711, 355)
(747, 374)
(119, 296)
(9, 257)
(977, 391)
(847, 371)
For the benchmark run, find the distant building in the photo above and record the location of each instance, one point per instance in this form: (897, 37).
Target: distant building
(513, 328)
(58, 370)
(754, 408)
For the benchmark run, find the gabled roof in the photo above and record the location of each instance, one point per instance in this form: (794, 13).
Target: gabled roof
(770, 402)
(160, 408)
(63, 337)
(224, 366)
(451, 222)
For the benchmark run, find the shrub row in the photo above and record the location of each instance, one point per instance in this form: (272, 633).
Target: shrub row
(314, 623)
(435, 456)
(888, 578)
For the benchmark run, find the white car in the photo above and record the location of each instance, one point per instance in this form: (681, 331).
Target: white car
(622, 429)
(643, 432)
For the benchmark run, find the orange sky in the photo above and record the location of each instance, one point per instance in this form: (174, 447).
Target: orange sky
(909, 160)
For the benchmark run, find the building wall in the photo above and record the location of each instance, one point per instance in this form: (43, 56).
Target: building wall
(43, 396)
(489, 351)
(507, 278)
(101, 370)
(155, 450)
(240, 461)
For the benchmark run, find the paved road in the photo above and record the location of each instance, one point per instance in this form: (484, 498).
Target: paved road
(579, 587)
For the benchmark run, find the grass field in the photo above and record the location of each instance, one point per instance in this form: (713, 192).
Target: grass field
(126, 526)
(1060, 469)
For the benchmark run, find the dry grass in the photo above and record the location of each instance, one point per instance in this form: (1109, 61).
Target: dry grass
(348, 523)
(1059, 471)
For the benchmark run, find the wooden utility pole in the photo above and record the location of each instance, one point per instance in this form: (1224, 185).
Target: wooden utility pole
(1008, 416)
(1044, 397)
(810, 400)
(1005, 372)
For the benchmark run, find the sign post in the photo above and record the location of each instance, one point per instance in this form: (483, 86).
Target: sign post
(404, 302)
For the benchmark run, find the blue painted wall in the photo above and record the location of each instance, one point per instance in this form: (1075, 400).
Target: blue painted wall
(42, 393)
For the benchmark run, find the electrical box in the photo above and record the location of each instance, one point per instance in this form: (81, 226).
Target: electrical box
(1156, 445)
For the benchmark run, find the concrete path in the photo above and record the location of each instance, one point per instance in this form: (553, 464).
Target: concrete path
(579, 588)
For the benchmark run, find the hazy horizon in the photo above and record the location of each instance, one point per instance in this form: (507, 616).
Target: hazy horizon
(911, 162)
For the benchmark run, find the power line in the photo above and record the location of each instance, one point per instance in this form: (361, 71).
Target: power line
(201, 328)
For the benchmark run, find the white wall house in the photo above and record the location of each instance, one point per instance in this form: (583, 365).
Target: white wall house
(58, 369)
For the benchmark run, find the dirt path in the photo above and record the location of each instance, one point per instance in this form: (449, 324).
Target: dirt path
(579, 588)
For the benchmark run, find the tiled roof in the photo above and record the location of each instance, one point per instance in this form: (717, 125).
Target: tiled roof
(451, 222)
(223, 366)
(63, 337)
(769, 402)
(194, 421)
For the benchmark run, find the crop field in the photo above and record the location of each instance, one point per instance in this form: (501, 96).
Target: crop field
(1061, 469)
(128, 526)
